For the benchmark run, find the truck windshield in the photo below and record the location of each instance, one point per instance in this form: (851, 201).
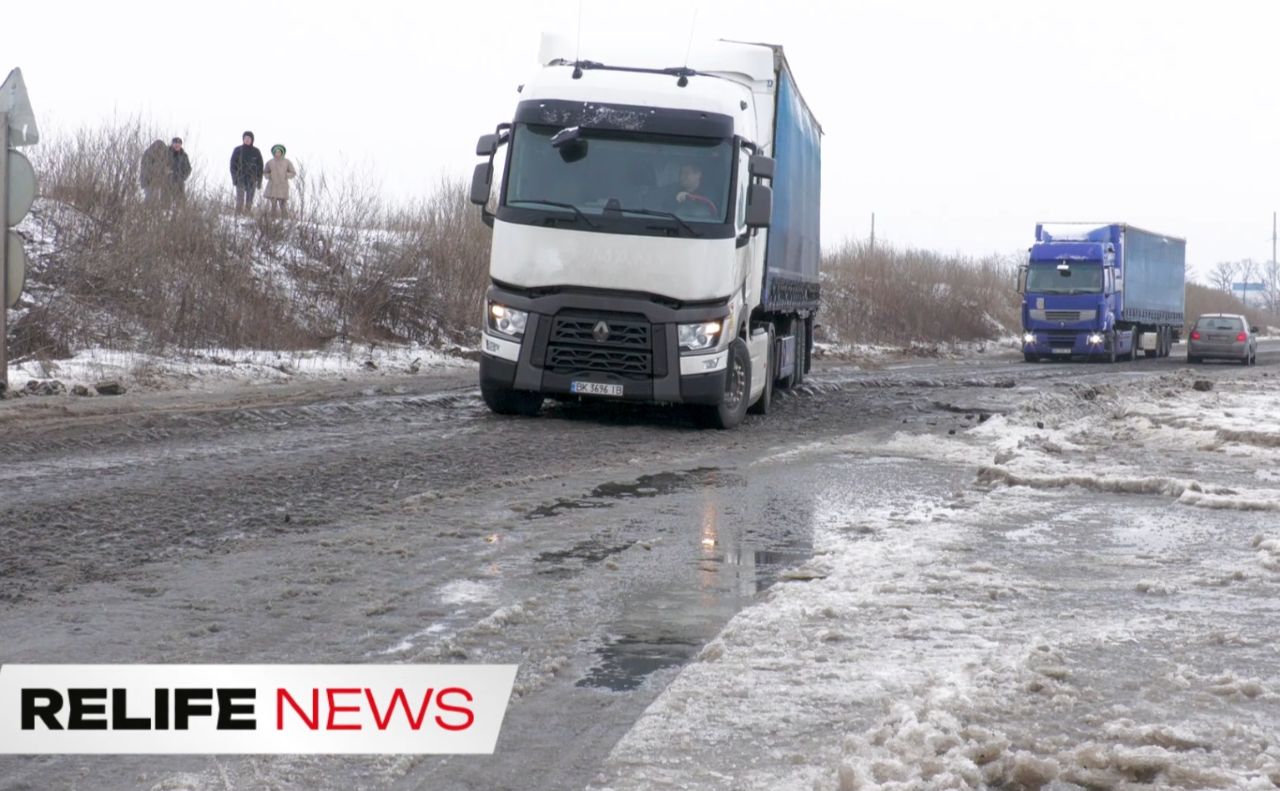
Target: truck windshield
(621, 174)
(1077, 278)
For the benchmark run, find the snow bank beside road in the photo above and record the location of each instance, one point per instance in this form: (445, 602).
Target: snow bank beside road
(1066, 622)
(244, 366)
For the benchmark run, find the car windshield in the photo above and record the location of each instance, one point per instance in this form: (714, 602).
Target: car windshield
(1077, 278)
(1219, 323)
(594, 172)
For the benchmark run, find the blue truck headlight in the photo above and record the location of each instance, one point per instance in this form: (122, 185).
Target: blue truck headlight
(1095, 339)
(1029, 338)
(699, 337)
(508, 321)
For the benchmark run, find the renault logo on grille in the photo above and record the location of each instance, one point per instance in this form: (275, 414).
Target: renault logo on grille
(600, 332)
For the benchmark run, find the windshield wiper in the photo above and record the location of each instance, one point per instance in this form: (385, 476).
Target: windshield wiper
(660, 213)
(558, 204)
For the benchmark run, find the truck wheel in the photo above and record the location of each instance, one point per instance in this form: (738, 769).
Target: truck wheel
(1030, 358)
(737, 388)
(505, 401)
(765, 401)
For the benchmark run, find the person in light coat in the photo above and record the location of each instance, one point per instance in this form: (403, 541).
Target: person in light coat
(277, 172)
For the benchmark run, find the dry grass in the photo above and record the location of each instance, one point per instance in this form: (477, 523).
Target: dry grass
(903, 297)
(1203, 299)
(123, 274)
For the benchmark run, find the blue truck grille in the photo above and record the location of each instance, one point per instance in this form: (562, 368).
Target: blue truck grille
(1062, 339)
(1062, 315)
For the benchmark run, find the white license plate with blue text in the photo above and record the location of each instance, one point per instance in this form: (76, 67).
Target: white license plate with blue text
(595, 388)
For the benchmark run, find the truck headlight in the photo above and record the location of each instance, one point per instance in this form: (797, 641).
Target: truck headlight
(699, 337)
(1029, 337)
(508, 321)
(1095, 339)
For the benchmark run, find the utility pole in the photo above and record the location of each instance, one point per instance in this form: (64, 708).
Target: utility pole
(873, 232)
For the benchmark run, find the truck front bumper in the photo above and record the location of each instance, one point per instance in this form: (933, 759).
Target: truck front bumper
(1065, 343)
(643, 360)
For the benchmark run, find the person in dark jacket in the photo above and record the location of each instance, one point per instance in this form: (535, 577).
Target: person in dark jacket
(179, 169)
(153, 172)
(246, 172)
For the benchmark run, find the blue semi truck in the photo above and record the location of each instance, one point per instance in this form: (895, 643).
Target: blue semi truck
(1101, 291)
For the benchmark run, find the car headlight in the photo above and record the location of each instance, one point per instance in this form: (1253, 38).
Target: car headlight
(507, 321)
(1029, 338)
(699, 337)
(1095, 339)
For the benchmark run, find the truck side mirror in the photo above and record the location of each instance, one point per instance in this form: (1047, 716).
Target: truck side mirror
(760, 166)
(759, 206)
(481, 182)
(1022, 280)
(487, 146)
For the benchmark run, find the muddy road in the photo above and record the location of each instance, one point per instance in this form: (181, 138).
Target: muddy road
(602, 548)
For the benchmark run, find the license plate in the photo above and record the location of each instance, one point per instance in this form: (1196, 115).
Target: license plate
(595, 388)
(1062, 351)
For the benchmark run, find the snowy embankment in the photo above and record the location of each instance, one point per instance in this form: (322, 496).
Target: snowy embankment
(92, 367)
(1084, 615)
(882, 352)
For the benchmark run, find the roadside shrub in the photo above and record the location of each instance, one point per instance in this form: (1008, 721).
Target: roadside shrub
(902, 297)
(109, 269)
(1203, 299)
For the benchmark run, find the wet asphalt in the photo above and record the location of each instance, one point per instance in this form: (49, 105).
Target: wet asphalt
(598, 546)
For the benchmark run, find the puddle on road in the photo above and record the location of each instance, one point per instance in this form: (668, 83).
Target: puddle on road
(645, 486)
(626, 661)
(727, 579)
(715, 543)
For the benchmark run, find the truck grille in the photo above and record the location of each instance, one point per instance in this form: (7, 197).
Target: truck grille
(1064, 316)
(575, 346)
(1067, 339)
(626, 332)
(573, 359)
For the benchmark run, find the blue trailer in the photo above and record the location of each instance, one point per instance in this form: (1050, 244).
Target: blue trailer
(791, 295)
(1102, 291)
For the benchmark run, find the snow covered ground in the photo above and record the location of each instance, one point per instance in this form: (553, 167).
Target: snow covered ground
(213, 366)
(1099, 609)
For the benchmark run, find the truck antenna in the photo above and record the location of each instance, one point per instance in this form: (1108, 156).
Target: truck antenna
(577, 47)
(693, 26)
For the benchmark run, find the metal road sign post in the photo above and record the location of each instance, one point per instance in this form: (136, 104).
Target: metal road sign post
(17, 191)
(4, 252)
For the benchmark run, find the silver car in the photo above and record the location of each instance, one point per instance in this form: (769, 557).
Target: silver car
(1223, 336)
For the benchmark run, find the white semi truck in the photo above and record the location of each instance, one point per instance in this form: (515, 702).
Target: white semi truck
(655, 231)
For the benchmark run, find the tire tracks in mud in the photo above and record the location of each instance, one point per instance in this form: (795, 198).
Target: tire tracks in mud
(93, 495)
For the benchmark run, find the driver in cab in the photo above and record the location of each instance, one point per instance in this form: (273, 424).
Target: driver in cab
(688, 196)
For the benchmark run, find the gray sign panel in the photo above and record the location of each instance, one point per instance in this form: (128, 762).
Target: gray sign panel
(22, 119)
(17, 268)
(22, 187)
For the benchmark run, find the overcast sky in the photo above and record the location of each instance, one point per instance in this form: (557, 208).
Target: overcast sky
(960, 124)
